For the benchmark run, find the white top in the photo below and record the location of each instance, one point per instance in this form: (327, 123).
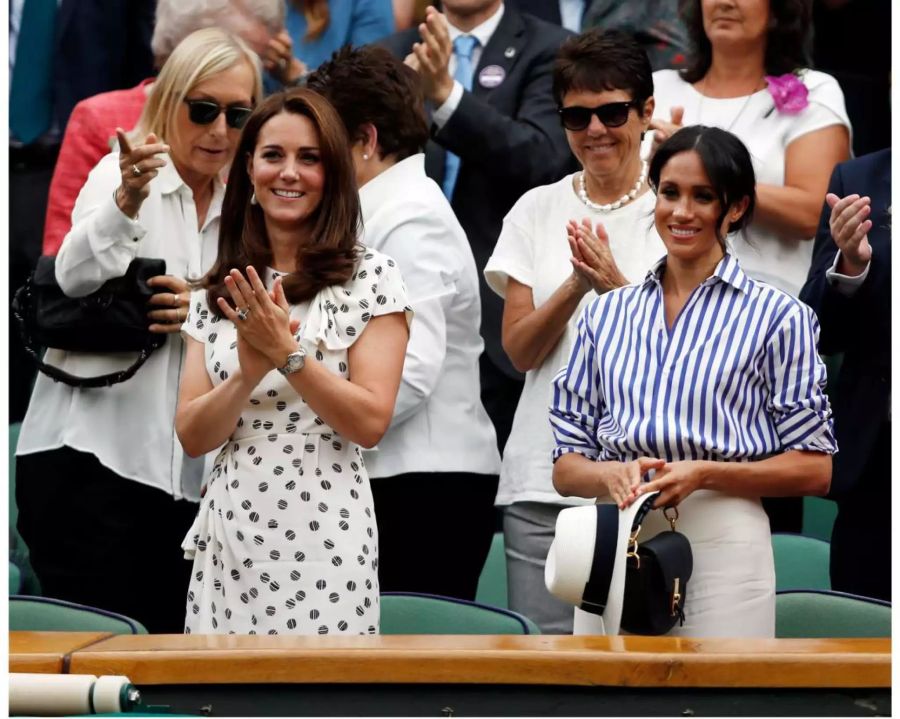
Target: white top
(129, 427)
(439, 423)
(533, 250)
(781, 261)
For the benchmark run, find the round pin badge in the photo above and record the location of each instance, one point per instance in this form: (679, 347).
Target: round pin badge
(491, 76)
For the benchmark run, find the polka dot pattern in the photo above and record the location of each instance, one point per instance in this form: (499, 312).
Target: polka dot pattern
(285, 540)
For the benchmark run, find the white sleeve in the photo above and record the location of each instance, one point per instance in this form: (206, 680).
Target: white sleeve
(826, 107)
(103, 240)
(513, 255)
(442, 115)
(423, 248)
(847, 285)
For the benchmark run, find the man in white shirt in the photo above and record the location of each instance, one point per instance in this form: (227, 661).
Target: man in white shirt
(495, 134)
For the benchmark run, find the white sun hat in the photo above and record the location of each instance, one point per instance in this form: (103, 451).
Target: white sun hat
(586, 563)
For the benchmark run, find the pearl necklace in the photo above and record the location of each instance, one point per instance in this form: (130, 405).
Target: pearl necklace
(623, 200)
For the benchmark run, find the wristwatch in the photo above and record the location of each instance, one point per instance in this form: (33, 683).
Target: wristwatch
(295, 362)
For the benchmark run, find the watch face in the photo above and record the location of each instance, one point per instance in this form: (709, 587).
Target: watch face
(294, 362)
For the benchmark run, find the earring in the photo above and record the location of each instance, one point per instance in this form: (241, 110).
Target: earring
(253, 198)
(365, 156)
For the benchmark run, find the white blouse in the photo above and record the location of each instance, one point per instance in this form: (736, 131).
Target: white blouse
(439, 423)
(129, 427)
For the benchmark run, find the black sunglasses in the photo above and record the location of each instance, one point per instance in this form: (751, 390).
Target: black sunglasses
(612, 114)
(203, 112)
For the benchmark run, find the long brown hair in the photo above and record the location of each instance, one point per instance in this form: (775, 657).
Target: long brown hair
(317, 16)
(329, 257)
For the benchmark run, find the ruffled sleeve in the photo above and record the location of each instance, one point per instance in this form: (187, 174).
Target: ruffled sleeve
(339, 314)
(196, 324)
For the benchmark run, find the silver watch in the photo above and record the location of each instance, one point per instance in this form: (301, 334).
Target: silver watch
(295, 362)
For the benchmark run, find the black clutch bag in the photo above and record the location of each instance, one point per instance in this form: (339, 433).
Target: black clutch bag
(111, 319)
(656, 576)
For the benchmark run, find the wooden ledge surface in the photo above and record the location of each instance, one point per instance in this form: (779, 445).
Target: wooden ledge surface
(558, 660)
(45, 652)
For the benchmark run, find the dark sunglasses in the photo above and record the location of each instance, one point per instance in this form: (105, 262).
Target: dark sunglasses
(203, 112)
(612, 114)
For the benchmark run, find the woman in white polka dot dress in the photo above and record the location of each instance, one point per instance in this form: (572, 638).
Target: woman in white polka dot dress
(293, 362)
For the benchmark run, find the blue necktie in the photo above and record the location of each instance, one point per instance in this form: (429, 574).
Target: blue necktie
(462, 48)
(31, 88)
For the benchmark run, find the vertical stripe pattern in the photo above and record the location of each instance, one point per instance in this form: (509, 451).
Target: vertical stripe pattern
(737, 377)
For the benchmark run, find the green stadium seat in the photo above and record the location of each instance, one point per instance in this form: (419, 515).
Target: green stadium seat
(818, 517)
(801, 562)
(411, 613)
(18, 551)
(42, 614)
(819, 614)
(492, 587)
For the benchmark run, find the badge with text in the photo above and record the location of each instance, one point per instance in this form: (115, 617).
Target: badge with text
(491, 76)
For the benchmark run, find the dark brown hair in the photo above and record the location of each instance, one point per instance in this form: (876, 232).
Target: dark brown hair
(598, 61)
(787, 42)
(369, 85)
(329, 257)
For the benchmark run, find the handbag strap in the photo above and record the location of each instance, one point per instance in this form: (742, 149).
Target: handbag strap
(21, 307)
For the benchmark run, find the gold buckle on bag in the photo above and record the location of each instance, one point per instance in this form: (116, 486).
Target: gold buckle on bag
(672, 520)
(633, 547)
(676, 596)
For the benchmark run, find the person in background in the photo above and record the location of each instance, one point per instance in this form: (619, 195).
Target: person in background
(55, 60)
(603, 86)
(408, 13)
(104, 490)
(438, 461)
(486, 72)
(654, 24)
(319, 27)
(90, 132)
(748, 74)
(849, 287)
(707, 377)
(295, 346)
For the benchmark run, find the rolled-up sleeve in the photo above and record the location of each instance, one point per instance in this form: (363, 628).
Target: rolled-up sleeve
(577, 400)
(796, 377)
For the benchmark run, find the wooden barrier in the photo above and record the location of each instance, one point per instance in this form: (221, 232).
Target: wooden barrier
(186, 665)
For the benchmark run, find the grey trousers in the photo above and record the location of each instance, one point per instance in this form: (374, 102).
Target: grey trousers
(528, 529)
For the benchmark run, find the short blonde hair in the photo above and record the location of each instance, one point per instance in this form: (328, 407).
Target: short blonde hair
(200, 56)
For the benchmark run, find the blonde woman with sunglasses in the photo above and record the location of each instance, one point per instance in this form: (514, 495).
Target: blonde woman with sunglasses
(561, 244)
(105, 490)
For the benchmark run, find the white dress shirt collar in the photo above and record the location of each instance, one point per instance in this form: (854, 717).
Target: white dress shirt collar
(383, 187)
(483, 32)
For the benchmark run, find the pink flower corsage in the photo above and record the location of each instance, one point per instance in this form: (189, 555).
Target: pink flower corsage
(789, 93)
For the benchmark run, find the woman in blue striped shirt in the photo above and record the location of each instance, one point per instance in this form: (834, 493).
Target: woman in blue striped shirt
(706, 377)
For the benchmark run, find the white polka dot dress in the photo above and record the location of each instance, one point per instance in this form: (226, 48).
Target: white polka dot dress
(285, 540)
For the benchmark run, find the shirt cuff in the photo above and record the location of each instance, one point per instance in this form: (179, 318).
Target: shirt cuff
(445, 111)
(847, 285)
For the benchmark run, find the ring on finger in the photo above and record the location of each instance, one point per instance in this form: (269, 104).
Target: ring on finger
(243, 313)
(136, 171)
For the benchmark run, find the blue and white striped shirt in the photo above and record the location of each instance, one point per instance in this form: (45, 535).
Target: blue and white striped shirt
(736, 378)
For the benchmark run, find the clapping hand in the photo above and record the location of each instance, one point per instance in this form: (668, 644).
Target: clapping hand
(849, 225)
(591, 259)
(278, 59)
(138, 165)
(663, 130)
(431, 57)
(262, 318)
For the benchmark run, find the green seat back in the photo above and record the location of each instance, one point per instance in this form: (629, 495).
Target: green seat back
(24, 581)
(492, 582)
(801, 562)
(817, 615)
(42, 614)
(429, 614)
(818, 517)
